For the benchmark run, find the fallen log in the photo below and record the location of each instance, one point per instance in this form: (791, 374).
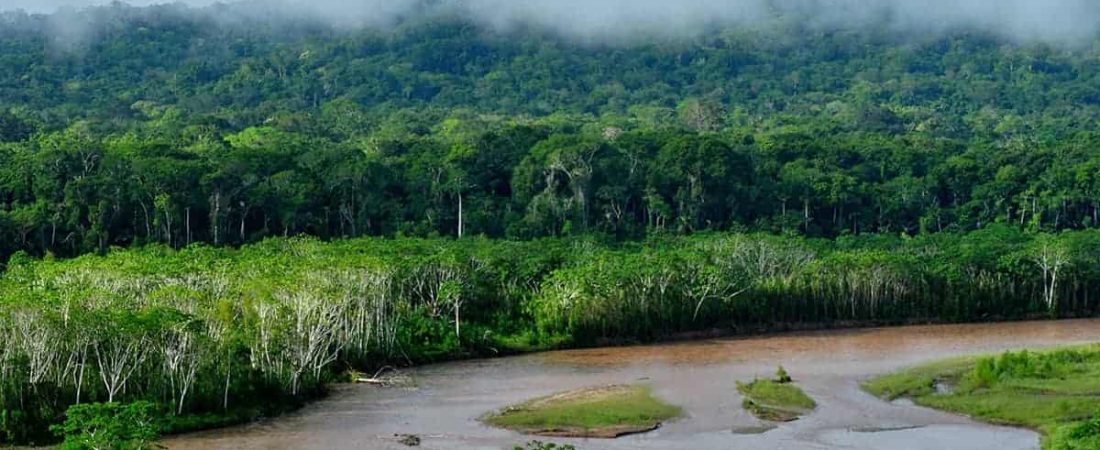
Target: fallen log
(380, 378)
(370, 381)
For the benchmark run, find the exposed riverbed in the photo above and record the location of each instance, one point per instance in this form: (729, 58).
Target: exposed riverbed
(699, 376)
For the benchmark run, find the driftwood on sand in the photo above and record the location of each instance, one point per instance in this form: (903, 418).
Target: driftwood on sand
(386, 376)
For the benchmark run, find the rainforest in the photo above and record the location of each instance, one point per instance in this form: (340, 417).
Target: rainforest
(215, 215)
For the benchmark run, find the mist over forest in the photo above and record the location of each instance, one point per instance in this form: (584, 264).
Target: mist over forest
(1066, 22)
(209, 211)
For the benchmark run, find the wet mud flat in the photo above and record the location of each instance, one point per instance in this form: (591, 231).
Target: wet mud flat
(700, 377)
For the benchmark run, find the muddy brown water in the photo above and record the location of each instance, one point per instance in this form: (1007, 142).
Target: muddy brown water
(698, 376)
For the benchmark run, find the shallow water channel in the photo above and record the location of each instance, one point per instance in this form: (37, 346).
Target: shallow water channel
(699, 376)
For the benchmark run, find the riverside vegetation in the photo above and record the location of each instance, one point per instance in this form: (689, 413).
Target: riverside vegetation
(213, 335)
(777, 400)
(1056, 392)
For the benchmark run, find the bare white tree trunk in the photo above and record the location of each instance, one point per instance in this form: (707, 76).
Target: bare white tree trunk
(312, 344)
(181, 362)
(1051, 260)
(117, 359)
(215, 214)
(37, 341)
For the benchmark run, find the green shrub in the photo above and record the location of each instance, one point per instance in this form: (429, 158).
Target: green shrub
(110, 426)
(985, 373)
(781, 376)
(1080, 436)
(1016, 365)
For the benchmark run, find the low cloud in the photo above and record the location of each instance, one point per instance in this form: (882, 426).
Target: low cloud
(1051, 21)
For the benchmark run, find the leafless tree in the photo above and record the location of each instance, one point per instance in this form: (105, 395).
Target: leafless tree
(181, 359)
(1051, 260)
(37, 341)
(312, 343)
(117, 356)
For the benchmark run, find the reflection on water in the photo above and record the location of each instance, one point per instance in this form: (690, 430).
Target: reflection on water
(699, 376)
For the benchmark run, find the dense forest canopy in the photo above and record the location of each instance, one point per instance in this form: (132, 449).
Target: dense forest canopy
(796, 163)
(123, 125)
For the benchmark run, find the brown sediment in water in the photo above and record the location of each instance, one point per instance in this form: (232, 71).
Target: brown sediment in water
(861, 340)
(697, 376)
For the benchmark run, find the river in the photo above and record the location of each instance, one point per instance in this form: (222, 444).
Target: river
(699, 376)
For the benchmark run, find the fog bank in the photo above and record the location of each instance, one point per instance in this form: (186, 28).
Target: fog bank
(1053, 21)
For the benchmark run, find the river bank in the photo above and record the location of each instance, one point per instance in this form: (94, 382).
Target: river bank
(698, 376)
(1055, 392)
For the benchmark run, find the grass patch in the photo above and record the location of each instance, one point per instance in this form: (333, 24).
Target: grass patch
(775, 400)
(1055, 392)
(917, 381)
(604, 412)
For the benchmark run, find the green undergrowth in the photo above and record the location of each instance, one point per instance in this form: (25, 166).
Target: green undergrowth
(1055, 392)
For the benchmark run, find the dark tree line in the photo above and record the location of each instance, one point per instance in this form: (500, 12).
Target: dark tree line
(73, 191)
